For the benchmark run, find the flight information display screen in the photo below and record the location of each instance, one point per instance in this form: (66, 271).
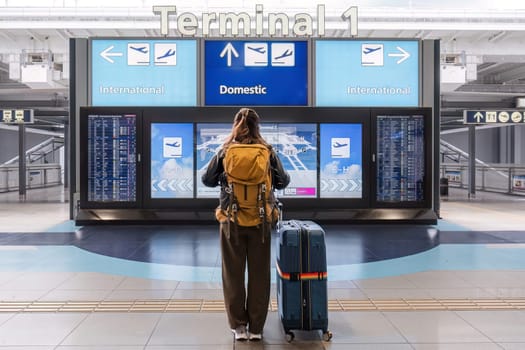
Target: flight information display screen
(171, 160)
(295, 144)
(400, 158)
(112, 152)
(341, 168)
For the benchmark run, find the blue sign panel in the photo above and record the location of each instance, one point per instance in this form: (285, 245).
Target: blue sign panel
(494, 117)
(265, 73)
(367, 73)
(138, 72)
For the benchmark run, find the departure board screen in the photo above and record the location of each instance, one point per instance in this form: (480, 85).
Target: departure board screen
(400, 158)
(112, 149)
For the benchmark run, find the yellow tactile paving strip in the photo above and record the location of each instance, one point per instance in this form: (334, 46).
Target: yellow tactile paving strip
(202, 305)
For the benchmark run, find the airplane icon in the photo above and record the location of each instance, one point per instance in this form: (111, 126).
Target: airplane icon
(142, 49)
(257, 49)
(285, 54)
(174, 144)
(338, 145)
(368, 50)
(168, 53)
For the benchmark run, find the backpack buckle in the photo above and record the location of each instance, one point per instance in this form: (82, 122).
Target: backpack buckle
(261, 212)
(234, 207)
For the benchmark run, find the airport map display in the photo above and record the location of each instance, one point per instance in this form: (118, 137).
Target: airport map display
(112, 151)
(295, 144)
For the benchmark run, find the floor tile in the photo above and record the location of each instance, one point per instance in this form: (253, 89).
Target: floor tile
(92, 281)
(199, 285)
(139, 294)
(448, 346)
(108, 329)
(513, 346)
(38, 329)
(506, 292)
(500, 326)
(38, 280)
(98, 347)
(400, 282)
(437, 279)
(27, 347)
(435, 327)
(458, 293)
(210, 294)
(396, 293)
(75, 295)
(362, 327)
(332, 346)
(503, 279)
(21, 295)
(146, 283)
(187, 329)
(350, 293)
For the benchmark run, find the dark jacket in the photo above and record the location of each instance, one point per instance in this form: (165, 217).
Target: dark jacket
(214, 175)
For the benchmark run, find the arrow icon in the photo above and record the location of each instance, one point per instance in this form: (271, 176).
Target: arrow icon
(229, 50)
(106, 54)
(478, 116)
(404, 55)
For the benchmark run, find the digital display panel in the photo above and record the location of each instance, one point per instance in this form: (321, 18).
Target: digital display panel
(369, 73)
(112, 151)
(295, 144)
(139, 72)
(210, 138)
(263, 73)
(400, 158)
(171, 160)
(341, 167)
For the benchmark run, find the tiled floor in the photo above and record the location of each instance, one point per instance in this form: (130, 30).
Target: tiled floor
(462, 288)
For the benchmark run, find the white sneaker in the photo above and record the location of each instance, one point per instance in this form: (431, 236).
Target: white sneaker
(240, 333)
(255, 336)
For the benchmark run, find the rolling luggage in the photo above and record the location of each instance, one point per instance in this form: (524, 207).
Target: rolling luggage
(302, 277)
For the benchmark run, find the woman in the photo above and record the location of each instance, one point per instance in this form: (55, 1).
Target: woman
(244, 245)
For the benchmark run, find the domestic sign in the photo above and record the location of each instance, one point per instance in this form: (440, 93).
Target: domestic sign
(265, 73)
(139, 72)
(371, 73)
(17, 116)
(494, 117)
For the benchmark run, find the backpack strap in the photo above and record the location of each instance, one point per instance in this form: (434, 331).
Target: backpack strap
(262, 208)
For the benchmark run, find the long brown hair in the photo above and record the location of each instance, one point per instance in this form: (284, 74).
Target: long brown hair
(245, 128)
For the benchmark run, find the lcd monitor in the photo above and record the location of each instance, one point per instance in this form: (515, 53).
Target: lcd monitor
(400, 159)
(111, 158)
(341, 160)
(171, 160)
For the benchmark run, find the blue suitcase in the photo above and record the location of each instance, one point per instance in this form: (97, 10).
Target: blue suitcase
(302, 277)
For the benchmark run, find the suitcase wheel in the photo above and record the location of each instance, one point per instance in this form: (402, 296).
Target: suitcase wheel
(290, 336)
(327, 336)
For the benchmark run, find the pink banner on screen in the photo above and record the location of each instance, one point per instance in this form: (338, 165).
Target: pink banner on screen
(305, 191)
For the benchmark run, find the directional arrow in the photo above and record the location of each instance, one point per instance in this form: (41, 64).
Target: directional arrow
(162, 185)
(479, 116)
(404, 55)
(229, 50)
(106, 54)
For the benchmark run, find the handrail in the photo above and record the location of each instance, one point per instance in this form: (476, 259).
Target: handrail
(50, 141)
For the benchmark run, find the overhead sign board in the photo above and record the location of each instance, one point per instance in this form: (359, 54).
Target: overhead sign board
(367, 73)
(494, 117)
(17, 116)
(266, 73)
(138, 72)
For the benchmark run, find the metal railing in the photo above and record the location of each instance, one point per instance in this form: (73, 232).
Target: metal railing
(38, 176)
(501, 178)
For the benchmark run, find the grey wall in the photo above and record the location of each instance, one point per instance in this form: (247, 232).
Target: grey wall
(487, 143)
(9, 143)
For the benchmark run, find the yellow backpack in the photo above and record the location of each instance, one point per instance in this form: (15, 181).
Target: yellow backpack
(249, 185)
